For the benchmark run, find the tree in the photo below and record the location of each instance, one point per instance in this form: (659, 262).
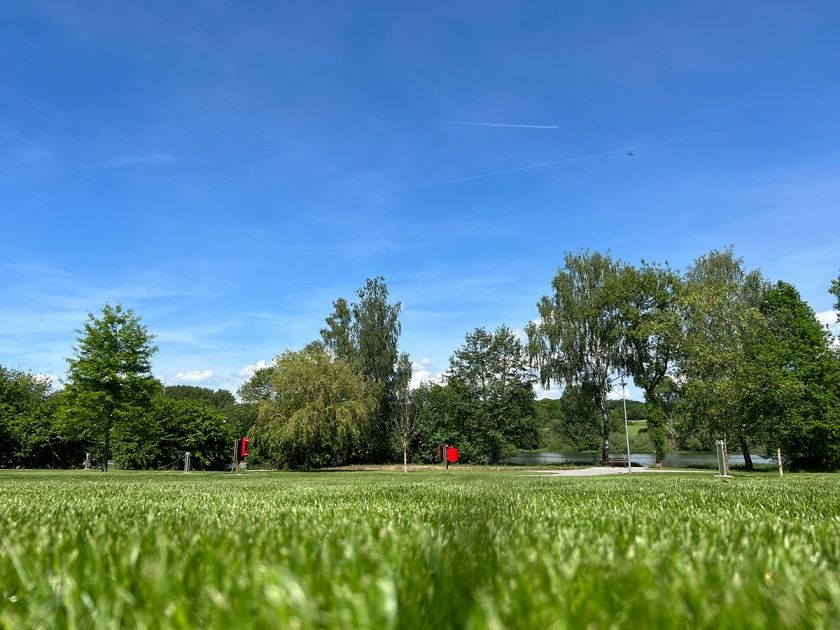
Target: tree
(259, 387)
(577, 339)
(404, 412)
(490, 372)
(720, 303)
(652, 331)
(365, 334)
(835, 291)
(318, 413)
(218, 399)
(444, 417)
(792, 381)
(109, 378)
(25, 428)
(190, 425)
(574, 419)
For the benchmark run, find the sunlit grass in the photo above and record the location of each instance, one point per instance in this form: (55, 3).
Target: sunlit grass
(359, 549)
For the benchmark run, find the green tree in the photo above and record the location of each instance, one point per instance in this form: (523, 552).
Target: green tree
(578, 422)
(25, 428)
(444, 416)
(365, 334)
(720, 303)
(791, 381)
(577, 339)
(218, 399)
(652, 332)
(835, 291)
(403, 410)
(195, 426)
(318, 413)
(259, 387)
(490, 372)
(110, 383)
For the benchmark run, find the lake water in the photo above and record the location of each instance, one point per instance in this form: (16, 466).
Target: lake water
(677, 459)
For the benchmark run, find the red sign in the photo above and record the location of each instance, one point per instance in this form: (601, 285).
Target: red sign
(243, 451)
(452, 455)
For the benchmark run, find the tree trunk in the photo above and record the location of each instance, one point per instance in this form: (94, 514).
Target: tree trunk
(745, 449)
(106, 450)
(605, 412)
(405, 459)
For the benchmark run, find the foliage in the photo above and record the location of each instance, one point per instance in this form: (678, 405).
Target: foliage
(365, 335)
(652, 333)
(720, 303)
(792, 382)
(577, 339)
(110, 384)
(29, 433)
(424, 550)
(572, 420)
(259, 387)
(491, 376)
(191, 425)
(219, 399)
(404, 409)
(318, 413)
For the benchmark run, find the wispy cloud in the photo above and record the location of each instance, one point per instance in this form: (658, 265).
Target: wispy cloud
(505, 125)
(627, 149)
(145, 158)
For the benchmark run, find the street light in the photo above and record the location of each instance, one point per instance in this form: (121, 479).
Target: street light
(626, 431)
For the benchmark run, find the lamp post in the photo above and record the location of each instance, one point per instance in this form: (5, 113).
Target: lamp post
(626, 431)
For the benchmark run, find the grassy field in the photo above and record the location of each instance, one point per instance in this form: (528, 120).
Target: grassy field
(423, 550)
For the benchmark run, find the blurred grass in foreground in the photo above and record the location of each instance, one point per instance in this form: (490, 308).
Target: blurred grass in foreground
(423, 550)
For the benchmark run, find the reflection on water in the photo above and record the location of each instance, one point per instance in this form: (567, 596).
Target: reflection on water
(678, 459)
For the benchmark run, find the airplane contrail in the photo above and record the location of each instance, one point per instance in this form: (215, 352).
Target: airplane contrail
(563, 161)
(509, 125)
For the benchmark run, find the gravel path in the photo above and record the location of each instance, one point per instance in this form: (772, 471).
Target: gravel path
(597, 471)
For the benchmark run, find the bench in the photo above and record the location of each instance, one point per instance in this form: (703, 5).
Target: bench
(620, 460)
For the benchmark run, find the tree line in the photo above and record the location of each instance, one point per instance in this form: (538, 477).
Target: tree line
(717, 350)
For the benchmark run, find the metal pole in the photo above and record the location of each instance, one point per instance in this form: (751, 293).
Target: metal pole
(725, 459)
(626, 431)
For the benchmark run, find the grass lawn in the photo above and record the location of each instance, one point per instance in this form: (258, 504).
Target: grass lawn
(424, 550)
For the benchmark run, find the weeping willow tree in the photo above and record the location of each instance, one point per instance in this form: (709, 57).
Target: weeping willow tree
(318, 412)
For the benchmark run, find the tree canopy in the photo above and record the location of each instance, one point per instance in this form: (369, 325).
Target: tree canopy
(577, 339)
(365, 335)
(110, 382)
(319, 411)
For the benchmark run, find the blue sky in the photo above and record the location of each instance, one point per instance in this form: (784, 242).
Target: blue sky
(227, 169)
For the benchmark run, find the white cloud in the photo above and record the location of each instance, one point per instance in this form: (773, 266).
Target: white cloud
(830, 321)
(422, 371)
(827, 318)
(248, 370)
(194, 376)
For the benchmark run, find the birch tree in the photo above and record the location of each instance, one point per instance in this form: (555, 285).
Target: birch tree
(577, 339)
